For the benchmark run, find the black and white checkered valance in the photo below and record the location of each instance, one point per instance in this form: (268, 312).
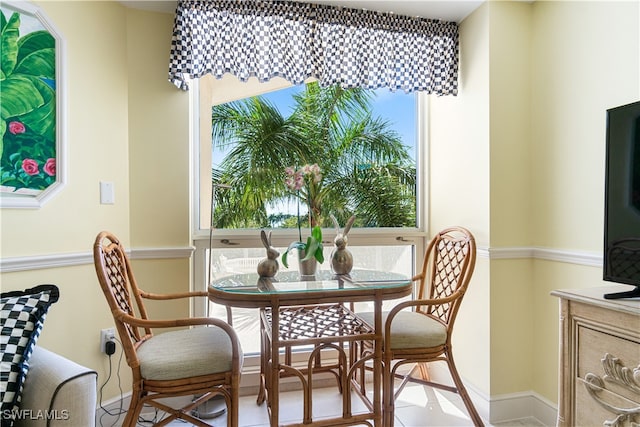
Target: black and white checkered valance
(295, 41)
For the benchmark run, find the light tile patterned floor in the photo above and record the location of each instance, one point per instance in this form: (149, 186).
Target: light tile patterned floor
(417, 406)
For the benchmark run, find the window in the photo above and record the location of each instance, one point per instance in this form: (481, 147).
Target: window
(347, 142)
(388, 233)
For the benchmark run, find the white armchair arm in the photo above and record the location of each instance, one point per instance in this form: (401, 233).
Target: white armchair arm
(57, 392)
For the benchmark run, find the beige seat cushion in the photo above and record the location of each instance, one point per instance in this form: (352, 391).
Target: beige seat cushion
(185, 353)
(412, 330)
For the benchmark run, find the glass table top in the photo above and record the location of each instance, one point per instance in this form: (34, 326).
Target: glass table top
(324, 280)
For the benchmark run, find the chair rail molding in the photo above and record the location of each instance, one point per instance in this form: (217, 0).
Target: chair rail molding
(591, 259)
(34, 262)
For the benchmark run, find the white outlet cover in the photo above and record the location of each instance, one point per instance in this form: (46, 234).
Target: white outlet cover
(107, 196)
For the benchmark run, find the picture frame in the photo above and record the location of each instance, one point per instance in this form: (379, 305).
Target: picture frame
(32, 122)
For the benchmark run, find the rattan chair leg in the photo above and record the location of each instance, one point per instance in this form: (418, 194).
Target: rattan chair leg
(234, 408)
(388, 398)
(135, 407)
(130, 419)
(462, 391)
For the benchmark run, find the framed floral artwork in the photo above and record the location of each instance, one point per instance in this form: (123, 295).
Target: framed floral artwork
(32, 150)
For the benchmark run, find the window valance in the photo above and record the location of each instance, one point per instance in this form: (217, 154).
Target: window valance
(295, 41)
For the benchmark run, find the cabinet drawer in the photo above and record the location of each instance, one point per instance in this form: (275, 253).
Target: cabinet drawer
(611, 358)
(587, 412)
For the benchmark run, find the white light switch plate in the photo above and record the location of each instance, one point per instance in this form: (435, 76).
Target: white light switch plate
(106, 193)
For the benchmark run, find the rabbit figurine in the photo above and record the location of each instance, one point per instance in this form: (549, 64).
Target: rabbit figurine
(268, 267)
(341, 258)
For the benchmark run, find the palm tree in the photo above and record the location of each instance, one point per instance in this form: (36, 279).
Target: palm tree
(366, 170)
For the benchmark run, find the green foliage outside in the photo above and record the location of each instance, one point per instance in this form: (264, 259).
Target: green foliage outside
(366, 170)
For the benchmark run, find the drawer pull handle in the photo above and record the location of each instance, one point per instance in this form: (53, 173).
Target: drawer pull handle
(615, 372)
(594, 384)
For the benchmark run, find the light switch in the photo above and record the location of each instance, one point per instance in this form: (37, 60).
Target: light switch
(106, 193)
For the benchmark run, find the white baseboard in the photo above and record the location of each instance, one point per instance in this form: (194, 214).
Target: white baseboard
(505, 407)
(497, 409)
(527, 404)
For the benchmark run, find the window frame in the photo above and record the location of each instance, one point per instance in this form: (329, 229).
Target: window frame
(249, 238)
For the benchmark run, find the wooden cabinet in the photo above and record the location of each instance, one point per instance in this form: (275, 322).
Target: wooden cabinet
(599, 382)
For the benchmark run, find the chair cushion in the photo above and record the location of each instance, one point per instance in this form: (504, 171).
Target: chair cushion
(22, 314)
(411, 330)
(185, 353)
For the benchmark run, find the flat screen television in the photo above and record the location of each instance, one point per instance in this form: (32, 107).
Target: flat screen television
(621, 257)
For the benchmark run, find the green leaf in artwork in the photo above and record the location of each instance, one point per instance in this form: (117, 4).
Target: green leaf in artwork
(38, 64)
(9, 43)
(34, 42)
(19, 96)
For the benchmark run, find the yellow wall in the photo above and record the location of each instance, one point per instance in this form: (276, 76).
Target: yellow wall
(97, 137)
(159, 131)
(125, 124)
(585, 59)
(459, 187)
(511, 345)
(517, 157)
(581, 68)
(97, 150)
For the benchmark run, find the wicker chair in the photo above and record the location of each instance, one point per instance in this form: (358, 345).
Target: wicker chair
(203, 361)
(423, 333)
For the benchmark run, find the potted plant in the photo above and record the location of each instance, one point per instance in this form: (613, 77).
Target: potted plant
(306, 182)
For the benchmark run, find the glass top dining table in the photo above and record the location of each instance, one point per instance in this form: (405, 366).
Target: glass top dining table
(249, 290)
(288, 288)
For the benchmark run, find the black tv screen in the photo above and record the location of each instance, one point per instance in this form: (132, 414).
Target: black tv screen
(622, 199)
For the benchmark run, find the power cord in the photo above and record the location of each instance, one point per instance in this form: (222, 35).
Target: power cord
(110, 348)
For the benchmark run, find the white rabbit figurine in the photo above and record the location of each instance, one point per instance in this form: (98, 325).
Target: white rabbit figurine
(341, 258)
(268, 267)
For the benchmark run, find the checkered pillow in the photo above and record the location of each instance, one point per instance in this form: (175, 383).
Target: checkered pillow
(22, 314)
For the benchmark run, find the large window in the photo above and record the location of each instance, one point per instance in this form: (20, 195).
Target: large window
(308, 152)
(253, 137)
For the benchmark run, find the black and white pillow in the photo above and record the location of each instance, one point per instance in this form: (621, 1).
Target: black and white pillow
(22, 314)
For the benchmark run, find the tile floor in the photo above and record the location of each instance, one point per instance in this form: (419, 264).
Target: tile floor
(417, 406)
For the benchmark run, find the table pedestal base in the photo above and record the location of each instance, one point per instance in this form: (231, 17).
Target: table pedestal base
(328, 329)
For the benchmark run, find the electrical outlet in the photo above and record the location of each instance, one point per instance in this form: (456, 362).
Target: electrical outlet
(106, 335)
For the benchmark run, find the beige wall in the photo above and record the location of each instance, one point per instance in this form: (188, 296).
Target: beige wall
(97, 150)
(510, 128)
(517, 157)
(581, 66)
(125, 124)
(459, 186)
(97, 137)
(159, 132)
